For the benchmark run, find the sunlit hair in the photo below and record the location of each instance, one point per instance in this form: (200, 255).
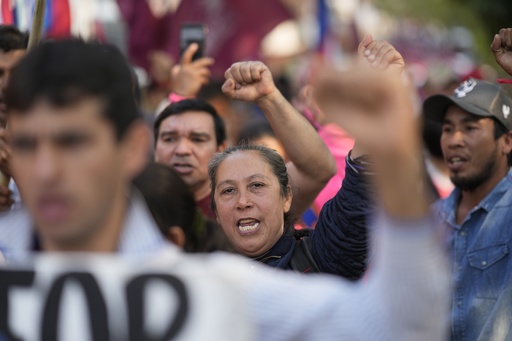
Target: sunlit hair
(64, 72)
(270, 156)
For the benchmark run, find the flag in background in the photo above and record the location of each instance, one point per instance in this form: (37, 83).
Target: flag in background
(323, 24)
(57, 19)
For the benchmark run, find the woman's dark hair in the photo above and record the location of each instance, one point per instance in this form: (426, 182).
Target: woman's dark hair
(270, 156)
(172, 204)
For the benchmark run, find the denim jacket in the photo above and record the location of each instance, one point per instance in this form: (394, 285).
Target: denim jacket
(482, 266)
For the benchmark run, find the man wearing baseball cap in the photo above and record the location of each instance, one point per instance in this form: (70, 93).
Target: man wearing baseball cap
(476, 142)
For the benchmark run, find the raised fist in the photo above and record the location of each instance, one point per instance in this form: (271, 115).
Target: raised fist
(502, 49)
(248, 81)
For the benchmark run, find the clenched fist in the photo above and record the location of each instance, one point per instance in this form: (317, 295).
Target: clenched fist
(502, 49)
(249, 81)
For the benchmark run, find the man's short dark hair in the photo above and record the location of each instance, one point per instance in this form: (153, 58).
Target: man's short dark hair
(66, 71)
(12, 39)
(192, 104)
(499, 129)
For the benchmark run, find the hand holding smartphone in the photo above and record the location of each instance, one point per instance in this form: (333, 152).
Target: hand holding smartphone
(193, 33)
(193, 71)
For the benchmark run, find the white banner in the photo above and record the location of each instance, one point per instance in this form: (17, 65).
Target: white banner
(77, 297)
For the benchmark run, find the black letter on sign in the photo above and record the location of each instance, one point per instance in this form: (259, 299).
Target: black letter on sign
(97, 308)
(135, 293)
(9, 278)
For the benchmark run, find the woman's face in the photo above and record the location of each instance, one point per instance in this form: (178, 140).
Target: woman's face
(250, 207)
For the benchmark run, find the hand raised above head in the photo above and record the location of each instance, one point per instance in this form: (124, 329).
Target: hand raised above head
(377, 107)
(380, 54)
(378, 112)
(189, 76)
(160, 66)
(248, 81)
(501, 47)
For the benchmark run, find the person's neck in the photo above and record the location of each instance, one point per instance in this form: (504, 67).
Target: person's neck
(104, 239)
(471, 198)
(202, 192)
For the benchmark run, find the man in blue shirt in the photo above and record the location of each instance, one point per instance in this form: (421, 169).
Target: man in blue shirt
(476, 141)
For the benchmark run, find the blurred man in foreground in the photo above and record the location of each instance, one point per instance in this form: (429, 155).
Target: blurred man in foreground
(77, 142)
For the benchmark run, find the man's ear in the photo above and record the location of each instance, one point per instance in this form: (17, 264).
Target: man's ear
(176, 235)
(135, 146)
(507, 143)
(288, 200)
(221, 147)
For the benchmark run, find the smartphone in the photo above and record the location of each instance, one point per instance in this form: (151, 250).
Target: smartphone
(193, 33)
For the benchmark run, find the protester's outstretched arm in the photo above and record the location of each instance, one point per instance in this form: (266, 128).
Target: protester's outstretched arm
(385, 125)
(340, 242)
(311, 164)
(501, 47)
(406, 293)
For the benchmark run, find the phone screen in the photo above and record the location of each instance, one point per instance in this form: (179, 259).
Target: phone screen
(193, 33)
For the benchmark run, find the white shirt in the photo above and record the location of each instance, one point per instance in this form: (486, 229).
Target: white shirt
(404, 296)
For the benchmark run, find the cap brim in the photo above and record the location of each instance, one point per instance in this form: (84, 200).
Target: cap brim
(435, 107)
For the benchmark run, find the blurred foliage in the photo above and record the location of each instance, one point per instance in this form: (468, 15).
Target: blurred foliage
(483, 17)
(495, 14)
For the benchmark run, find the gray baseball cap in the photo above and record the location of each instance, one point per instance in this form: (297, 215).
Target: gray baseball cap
(476, 97)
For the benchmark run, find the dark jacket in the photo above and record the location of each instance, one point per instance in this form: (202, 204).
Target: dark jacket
(340, 240)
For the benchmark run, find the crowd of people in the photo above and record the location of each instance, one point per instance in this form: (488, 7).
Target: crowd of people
(96, 209)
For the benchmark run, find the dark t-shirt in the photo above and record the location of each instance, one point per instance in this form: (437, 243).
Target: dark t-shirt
(204, 206)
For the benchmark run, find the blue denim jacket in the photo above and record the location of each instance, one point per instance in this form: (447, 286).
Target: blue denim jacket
(482, 266)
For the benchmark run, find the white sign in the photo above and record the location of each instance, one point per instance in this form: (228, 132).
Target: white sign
(79, 297)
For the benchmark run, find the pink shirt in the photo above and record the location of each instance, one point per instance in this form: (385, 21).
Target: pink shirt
(340, 144)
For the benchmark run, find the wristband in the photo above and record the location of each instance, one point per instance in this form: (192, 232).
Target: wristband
(174, 97)
(504, 81)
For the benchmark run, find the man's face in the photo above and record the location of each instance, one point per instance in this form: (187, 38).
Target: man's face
(469, 148)
(187, 142)
(7, 61)
(68, 168)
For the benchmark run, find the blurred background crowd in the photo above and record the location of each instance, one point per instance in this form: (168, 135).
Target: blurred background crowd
(442, 41)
